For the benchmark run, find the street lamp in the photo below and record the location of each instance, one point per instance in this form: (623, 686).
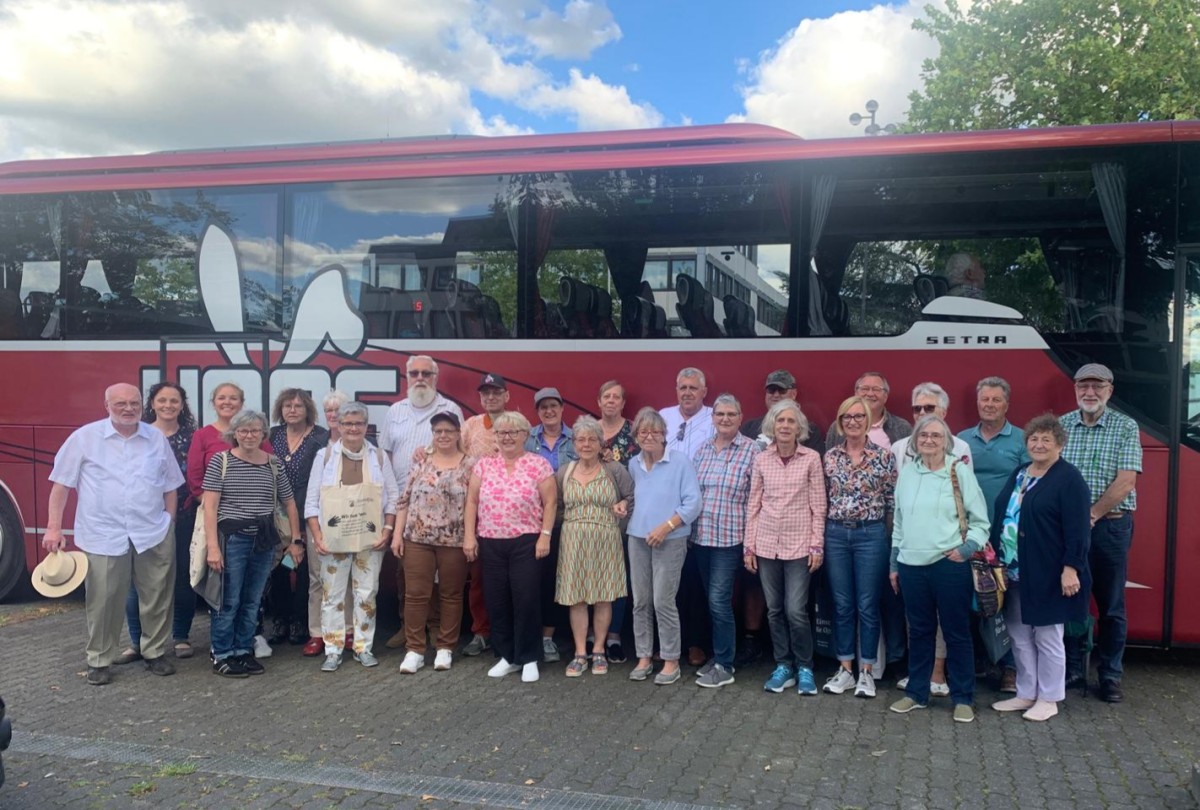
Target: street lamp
(872, 128)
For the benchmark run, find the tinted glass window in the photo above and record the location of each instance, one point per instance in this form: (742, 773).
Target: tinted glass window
(30, 253)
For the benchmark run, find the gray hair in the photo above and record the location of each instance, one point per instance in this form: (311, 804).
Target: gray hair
(768, 424)
(691, 373)
(414, 358)
(512, 420)
(957, 266)
(240, 420)
(334, 399)
(932, 389)
(924, 422)
(588, 424)
(994, 382)
(728, 399)
(648, 418)
(351, 408)
(882, 380)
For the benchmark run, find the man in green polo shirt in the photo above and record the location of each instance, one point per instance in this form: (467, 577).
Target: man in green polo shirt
(997, 448)
(1105, 446)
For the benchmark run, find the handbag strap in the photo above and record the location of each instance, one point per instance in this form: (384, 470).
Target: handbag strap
(959, 506)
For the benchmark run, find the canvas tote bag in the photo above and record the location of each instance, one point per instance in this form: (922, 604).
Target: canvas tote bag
(350, 515)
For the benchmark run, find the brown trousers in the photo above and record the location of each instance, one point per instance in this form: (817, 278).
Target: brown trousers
(421, 562)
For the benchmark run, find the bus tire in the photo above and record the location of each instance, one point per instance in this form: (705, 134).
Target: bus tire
(12, 551)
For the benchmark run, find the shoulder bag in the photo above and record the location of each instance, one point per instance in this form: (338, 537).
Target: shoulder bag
(987, 572)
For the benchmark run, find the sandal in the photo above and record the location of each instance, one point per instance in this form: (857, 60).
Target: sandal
(577, 667)
(183, 650)
(599, 664)
(128, 656)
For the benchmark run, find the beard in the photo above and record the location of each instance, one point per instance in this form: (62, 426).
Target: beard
(421, 397)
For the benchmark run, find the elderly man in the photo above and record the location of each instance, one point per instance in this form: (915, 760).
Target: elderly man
(126, 477)
(1105, 446)
(965, 276)
(689, 424)
(997, 448)
(929, 398)
(480, 440)
(782, 385)
(406, 429)
(885, 427)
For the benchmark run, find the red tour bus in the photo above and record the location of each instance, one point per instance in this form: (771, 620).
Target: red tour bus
(567, 260)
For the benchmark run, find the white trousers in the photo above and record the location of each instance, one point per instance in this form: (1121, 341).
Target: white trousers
(361, 573)
(1039, 652)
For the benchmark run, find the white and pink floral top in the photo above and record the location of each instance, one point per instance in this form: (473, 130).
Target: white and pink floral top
(510, 504)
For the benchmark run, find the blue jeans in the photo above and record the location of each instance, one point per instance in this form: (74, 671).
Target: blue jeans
(939, 592)
(856, 562)
(1109, 560)
(785, 588)
(185, 597)
(245, 576)
(718, 568)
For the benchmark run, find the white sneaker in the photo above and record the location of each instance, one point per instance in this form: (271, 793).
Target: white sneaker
(261, 648)
(502, 668)
(412, 662)
(902, 683)
(866, 685)
(441, 661)
(529, 672)
(939, 689)
(839, 682)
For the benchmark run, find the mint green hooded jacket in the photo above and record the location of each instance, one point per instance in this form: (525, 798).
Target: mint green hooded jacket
(926, 520)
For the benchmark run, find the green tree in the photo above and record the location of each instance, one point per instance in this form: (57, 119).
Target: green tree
(498, 276)
(1006, 64)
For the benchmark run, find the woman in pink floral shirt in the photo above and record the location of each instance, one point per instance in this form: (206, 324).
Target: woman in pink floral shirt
(509, 517)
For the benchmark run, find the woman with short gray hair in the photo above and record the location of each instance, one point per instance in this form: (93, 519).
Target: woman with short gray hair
(331, 403)
(241, 489)
(594, 499)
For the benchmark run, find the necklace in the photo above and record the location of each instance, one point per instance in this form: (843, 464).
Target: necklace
(293, 447)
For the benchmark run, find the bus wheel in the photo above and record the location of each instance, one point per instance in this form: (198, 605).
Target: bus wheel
(12, 550)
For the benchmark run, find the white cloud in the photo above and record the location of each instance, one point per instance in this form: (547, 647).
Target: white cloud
(825, 69)
(594, 104)
(582, 28)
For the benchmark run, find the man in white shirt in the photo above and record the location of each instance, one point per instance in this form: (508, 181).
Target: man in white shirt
(126, 477)
(929, 399)
(406, 429)
(689, 424)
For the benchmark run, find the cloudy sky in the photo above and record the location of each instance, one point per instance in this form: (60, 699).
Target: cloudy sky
(90, 77)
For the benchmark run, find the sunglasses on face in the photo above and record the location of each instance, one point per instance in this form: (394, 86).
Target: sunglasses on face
(924, 408)
(420, 372)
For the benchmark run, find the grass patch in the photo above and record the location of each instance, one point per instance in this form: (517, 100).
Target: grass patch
(177, 769)
(142, 788)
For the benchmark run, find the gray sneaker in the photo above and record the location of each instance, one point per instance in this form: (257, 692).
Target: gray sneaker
(476, 646)
(706, 667)
(331, 663)
(549, 650)
(366, 658)
(716, 677)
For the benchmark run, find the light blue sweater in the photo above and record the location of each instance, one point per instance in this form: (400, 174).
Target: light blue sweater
(670, 488)
(926, 521)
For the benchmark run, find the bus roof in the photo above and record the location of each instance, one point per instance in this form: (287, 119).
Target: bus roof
(581, 151)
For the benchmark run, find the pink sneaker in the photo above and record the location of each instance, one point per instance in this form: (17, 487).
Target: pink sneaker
(1042, 711)
(1013, 705)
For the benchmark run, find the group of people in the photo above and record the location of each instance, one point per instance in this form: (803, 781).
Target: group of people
(676, 516)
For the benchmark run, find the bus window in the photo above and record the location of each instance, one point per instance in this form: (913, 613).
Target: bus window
(29, 265)
(424, 258)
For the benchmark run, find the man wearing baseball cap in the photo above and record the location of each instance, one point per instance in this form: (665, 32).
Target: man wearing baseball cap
(1104, 445)
(782, 385)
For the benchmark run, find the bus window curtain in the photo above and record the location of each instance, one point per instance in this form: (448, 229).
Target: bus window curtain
(823, 187)
(1110, 190)
(626, 263)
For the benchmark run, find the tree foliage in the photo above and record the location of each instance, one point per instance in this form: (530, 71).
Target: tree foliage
(1007, 64)
(498, 276)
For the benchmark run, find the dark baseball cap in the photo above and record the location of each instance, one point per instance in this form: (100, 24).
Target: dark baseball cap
(493, 381)
(781, 378)
(444, 416)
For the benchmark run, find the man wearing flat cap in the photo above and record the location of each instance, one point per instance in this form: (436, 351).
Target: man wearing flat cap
(1104, 445)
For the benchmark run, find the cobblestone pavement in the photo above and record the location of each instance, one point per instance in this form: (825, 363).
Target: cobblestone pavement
(297, 737)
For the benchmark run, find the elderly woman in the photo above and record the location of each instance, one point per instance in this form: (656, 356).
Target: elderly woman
(594, 499)
(241, 489)
(860, 479)
(785, 537)
(430, 515)
(940, 521)
(1043, 539)
(331, 404)
(295, 439)
(667, 496)
(350, 479)
(167, 409)
(723, 466)
(510, 512)
(619, 445)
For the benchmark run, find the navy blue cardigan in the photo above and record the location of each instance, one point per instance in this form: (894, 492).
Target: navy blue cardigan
(1054, 530)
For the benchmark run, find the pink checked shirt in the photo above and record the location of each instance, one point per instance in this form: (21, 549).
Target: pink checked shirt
(785, 517)
(510, 505)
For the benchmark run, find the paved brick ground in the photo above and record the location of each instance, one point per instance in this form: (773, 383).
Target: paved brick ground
(297, 737)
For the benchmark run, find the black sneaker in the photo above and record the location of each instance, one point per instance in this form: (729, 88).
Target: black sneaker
(615, 652)
(230, 667)
(749, 651)
(251, 666)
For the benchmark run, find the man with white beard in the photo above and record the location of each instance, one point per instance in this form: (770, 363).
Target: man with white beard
(405, 429)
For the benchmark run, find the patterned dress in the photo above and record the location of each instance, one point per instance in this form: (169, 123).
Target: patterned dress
(591, 564)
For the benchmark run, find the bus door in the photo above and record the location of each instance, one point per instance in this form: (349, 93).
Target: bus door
(1183, 558)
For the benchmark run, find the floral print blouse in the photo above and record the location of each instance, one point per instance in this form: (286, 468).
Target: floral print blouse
(622, 446)
(180, 442)
(435, 501)
(863, 491)
(510, 504)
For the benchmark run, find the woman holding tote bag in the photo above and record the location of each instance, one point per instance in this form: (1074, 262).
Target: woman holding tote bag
(351, 512)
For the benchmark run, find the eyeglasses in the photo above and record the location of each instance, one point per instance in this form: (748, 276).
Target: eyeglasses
(649, 434)
(854, 417)
(926, 437)
(445, 431)
(248, 432)
(352, 425)
(508, 434)
(125, 406)
(1091, 386)
(870, 389)
(924, 408)
(420, 372)
(725, 415)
